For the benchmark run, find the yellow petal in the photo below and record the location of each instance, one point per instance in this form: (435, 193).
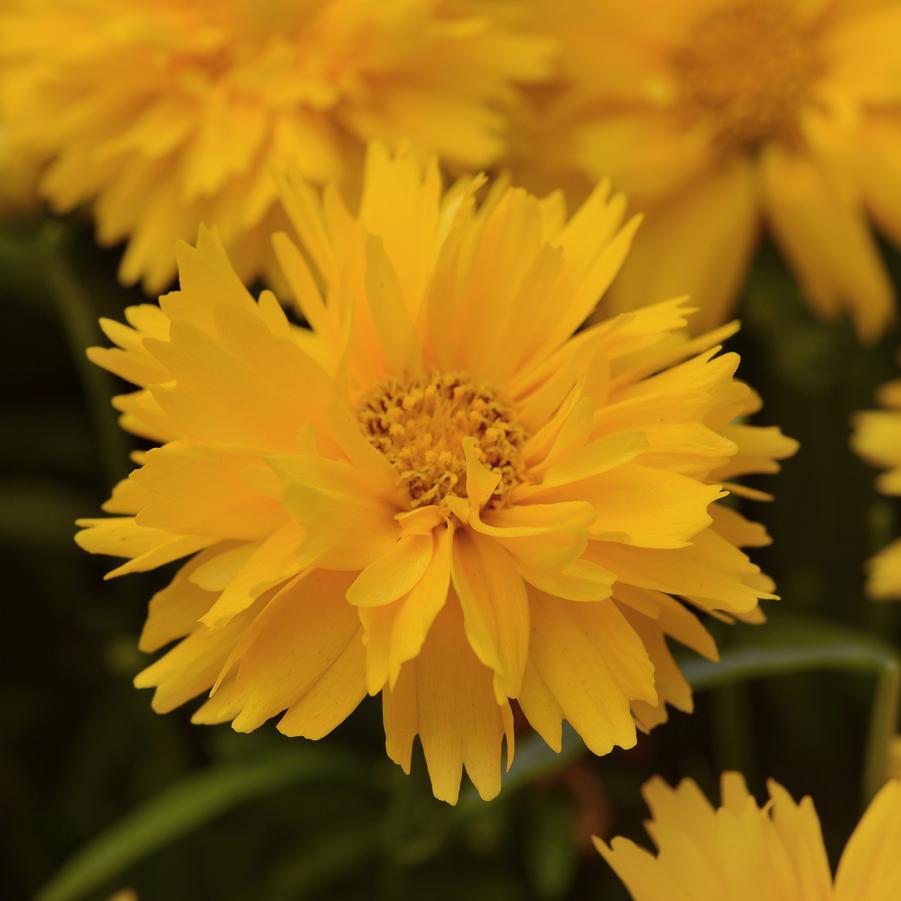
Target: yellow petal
(394, 573)
(331, 699)
(273, 560)
(206, 490)
(653, 507)
(445, 696)
(300, 635)
(826, 237)
(347, 524)
(175, 610)
(799, 832)
(496, 612)
(591, 460)
(696, 242)
(870, 866)
(191, 667)
(592, 663)
(884, 573)
(147, 548)
(481, 482)
(710, 571)
(582, 580)
(395, 633)
(639, 872)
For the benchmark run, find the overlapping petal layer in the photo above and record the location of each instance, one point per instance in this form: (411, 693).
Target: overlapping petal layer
(441, 489)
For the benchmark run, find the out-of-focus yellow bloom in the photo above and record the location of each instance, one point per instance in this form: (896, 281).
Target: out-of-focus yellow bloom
(718, 117)
(877, 438)
(748, 853)
(164, 114)
(437, 491)
(19, 171)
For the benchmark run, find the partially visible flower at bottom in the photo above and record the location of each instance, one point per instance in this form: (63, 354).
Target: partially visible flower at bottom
(744, 852)
(877, 439)
(441, 491)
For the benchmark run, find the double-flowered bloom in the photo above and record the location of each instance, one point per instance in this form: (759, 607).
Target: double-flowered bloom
(440, 490)
(163, 114)
(717, 117)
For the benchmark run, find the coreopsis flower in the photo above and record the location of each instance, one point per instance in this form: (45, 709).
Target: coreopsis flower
(877, 439)
(745, 853)
(720, 117)
(163, 114)
(439, 490)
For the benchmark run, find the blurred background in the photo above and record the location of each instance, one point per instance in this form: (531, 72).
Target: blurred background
(167, 810)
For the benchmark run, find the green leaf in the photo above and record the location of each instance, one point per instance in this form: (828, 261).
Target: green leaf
(551, 852)
(791, 644)
(191, 803)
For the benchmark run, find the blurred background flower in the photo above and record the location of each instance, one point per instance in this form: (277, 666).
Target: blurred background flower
(161, 114)
(877, 438)
(717, 117)
(19, 172)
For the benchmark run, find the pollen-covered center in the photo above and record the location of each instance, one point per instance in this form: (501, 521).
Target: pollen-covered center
(750, 64)
(419, 424)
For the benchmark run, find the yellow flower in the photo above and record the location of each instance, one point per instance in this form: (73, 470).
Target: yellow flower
(877, 438)
(719, 116)
(440, 491)
(746, 853)
(163, 114)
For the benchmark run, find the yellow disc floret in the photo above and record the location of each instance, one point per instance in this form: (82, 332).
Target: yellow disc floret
(750, 64)
(419, 424)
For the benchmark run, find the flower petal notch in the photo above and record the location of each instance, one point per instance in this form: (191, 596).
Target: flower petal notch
(743, 851)
(441, 490)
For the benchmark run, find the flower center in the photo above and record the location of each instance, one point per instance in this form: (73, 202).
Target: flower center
(750, 65)
(419, 423)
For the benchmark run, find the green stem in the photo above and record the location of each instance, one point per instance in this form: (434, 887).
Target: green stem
(732, 734)
(883, 727)
(798, 646)
(79, 321)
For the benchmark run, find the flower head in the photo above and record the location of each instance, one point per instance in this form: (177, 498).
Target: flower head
(719, 116)
(439, 490)
(877, 438)
(164, 114)
(745, 852)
